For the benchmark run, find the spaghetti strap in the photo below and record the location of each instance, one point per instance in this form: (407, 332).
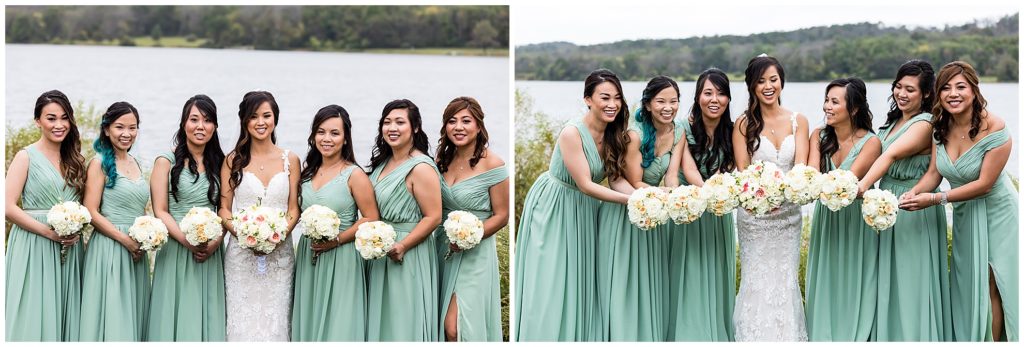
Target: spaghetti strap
(792, 122)
(287, 165)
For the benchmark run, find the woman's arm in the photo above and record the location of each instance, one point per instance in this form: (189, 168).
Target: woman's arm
(365, 200)
(95, 180)
(499, 205)
(17, 176)
(227, 195)
(571, 145)
(739, 144)
(690, 171)
(674, 162)
(868, 154)
(814, 154)
(160, 194)
(915, 140)
(293, 193)
(912, 200)
(803, 143)
(425, 185)
(634, 170)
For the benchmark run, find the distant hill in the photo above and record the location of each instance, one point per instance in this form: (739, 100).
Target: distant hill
(866, 50)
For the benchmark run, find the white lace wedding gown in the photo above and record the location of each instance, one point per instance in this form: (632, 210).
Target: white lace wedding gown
(259, 302)
(768, 305)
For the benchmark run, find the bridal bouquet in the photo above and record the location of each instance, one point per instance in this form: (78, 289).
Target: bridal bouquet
(149, 232)
(463, 229)
(647, 208)
(721, 192)
(66, 219)
(320, 224)
(375, 239)
(761, 187)
(802, 184)
(200, 225)
(838, 189)
(686, 204)
(260, 228)
(879, 209)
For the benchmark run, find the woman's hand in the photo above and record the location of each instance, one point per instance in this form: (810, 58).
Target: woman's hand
(205, 251)
(319, 247)
(919, 201)
(397, 252)
(133, 248)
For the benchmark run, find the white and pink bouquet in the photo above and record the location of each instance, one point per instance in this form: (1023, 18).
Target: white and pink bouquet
(320, 224)
(879, 209)
(260, 229)
(838, 189)
(761, 188)
(686, 204)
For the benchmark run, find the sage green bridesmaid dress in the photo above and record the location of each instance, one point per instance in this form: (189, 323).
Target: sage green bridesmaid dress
(44, 297)
(702, 273)
(115, 289)
(556, 262)
(984, 237)
(472, 275)
(913, 275)
(187, 303)
(631, 271)
(842, 269)
(402, 303)
(330, 298)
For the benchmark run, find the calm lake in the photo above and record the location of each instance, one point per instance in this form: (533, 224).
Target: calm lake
(564, 100)
(158, 81)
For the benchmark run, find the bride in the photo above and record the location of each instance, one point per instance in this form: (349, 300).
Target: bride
(769, 306)
(259, 287)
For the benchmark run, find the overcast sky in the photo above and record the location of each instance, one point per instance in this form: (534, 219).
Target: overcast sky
(585, 25)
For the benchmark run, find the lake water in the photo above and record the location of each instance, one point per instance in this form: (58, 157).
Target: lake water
(158, 81)
(564, 100)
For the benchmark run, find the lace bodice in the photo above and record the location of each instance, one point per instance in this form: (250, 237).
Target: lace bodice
(251, 190)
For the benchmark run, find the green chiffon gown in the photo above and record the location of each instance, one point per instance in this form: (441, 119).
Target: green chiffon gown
(913, 274)
(402, 303)
(842, 270)
(330, 298)
(115, 289)
(187, 303)
(984, 237)
(43, 297)
(556, 277)
(472, 275)
(631, 272)
(702, 273)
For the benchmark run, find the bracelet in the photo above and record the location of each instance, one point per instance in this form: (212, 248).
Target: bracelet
(943, 198)
(931, 199)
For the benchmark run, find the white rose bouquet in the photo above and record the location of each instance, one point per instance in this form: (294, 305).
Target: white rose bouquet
(686, 204)
(375, 239)
(320, 224)
(802, 184)
(838, 189)
(721, 191)
(463, 229)
(647, 208)
(761, 188)
(879, 209)
(149, 232)
(68, 218)
(200, 225)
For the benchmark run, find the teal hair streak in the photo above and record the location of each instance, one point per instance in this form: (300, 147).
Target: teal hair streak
(105, 150)
(647, 135)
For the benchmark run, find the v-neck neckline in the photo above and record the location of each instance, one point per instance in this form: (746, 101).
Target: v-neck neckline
(969, 149)
(382, 175)
(49, 163)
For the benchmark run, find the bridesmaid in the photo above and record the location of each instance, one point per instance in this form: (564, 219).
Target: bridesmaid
(556, 286)
(842, 258)
(972, 148)
(44, 299)
(115, 278)
(187, 303)
(475, 181)
(403, 297)
(330, 298)
(702, 271)
(630, 274)
(913, 275)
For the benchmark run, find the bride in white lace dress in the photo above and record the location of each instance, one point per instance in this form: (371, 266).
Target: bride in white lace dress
(769, 306)
(259, 287)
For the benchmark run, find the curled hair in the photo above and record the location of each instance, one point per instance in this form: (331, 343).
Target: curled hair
(104, 148)
(246, 112)
(645, 119)
(856, 106)
(72, 164)
(755, 120)
(615, 137)
(926, 84)
(943, 118)
(381, 150)
(445, 147)
(213, 155)
(704, 150)
(315, 159)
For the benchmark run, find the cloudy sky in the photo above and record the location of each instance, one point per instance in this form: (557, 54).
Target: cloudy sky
(586, 25)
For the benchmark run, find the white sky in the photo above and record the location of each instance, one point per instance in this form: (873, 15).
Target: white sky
(585, 25)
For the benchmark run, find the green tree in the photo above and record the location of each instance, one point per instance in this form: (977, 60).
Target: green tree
(484, 35)
(156, 33)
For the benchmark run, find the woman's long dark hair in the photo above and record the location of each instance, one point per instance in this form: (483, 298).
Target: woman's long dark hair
(246, 111)
(445, 147)
(704, 150)
(926, 84)
(72, 163)
(104, 148)
(755, 120)
(382, 150)
(213, 155)
(645, 119)
(860, 114)
(615, 137)
(943, 118)
(314, 159)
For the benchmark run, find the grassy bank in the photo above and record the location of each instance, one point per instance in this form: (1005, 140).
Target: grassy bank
(185, 42)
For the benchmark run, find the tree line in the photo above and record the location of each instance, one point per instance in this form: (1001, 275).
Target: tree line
(267, 27)
(867, 50)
